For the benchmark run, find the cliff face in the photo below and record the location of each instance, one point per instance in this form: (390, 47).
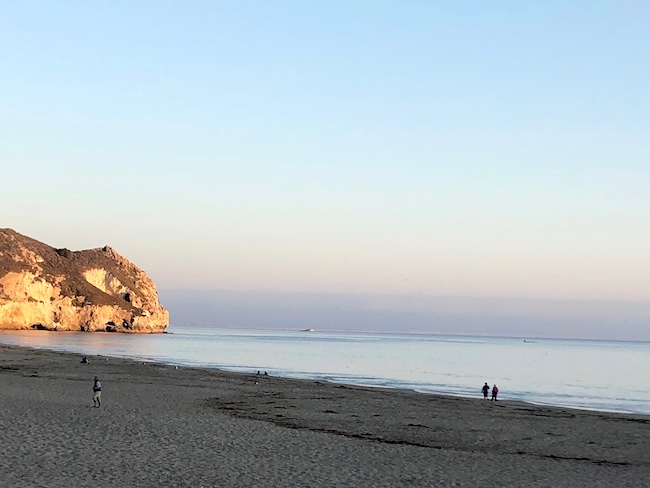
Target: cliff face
(57, 289)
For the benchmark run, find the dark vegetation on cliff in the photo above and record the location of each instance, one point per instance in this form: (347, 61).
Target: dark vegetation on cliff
(70, 265)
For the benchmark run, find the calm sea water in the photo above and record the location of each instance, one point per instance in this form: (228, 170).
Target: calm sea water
(597, 375)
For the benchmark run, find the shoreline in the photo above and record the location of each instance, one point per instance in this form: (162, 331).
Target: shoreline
(245, 371)
(182, 426)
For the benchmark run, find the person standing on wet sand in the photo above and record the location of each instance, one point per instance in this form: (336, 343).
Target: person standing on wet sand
(495, 390)
(485, 389)
(97, 393)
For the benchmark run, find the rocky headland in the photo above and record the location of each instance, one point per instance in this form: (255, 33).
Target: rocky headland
(57, 289)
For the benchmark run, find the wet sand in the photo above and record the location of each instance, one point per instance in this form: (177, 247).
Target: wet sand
(163, 426)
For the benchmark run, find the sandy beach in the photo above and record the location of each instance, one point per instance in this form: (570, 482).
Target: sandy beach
(165, 426)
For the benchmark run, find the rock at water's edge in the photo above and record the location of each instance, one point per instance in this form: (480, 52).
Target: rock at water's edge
(57, 289)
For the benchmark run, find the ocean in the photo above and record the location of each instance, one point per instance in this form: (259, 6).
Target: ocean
(594, 375)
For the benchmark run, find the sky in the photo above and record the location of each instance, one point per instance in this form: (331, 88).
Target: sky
(395, 149)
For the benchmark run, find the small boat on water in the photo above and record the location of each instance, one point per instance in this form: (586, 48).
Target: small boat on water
(309, 330)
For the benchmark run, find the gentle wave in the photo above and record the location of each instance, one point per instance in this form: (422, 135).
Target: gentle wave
(594, 375)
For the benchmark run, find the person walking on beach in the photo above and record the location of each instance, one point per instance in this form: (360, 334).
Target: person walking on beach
(495, 390)
(97, 393)
(485, 389)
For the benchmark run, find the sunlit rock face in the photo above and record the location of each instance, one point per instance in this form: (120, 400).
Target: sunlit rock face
(57, 289)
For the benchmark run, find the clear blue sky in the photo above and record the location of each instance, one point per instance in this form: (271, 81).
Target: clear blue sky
(408, 147)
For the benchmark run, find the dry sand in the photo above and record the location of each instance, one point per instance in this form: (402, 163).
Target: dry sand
(165, 427)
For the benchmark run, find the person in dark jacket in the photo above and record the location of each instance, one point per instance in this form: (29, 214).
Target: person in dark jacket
(97, 393)
(485, 389)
